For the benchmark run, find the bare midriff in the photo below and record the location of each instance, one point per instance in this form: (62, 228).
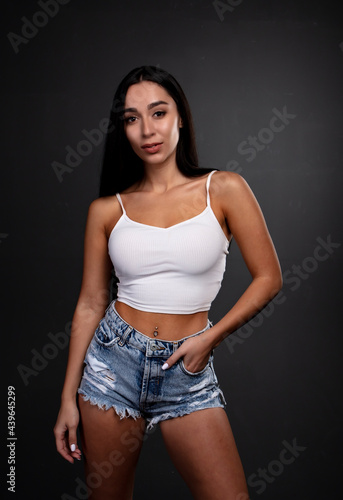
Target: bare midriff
(169, 326)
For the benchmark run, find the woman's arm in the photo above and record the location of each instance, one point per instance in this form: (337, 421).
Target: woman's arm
(92, 302)
(247, 225)
(242, 214)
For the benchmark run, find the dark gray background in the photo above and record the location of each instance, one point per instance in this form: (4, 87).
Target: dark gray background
(283, 380)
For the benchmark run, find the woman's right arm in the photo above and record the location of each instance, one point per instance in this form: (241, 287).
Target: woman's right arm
(90, 308)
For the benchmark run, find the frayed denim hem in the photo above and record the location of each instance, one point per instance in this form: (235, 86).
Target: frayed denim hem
(174, 414)
(122, 412)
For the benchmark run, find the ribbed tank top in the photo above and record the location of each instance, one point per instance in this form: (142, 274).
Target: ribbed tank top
(176, 270)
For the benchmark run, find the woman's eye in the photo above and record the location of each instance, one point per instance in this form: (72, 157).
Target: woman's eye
(159, 113)
(129, 119)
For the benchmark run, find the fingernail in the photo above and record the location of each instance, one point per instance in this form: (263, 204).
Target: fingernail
(165, 366)
(72, 447)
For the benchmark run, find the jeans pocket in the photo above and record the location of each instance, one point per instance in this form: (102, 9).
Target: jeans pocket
(104, 335)
(194, 374)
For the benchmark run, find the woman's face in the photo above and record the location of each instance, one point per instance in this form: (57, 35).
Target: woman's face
(151, 122)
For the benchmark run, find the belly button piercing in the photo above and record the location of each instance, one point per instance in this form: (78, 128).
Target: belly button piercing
(156, 332)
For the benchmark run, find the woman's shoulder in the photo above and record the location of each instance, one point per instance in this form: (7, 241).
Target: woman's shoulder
(225, 182)
(103, 203)
(104, 210)
(231, 192)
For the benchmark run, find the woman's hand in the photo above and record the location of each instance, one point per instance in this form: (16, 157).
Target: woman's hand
(195, 352)
(65, 432)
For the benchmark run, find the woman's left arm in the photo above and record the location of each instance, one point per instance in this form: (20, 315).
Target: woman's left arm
(247, 225)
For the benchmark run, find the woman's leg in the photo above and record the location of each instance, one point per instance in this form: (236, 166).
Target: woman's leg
(204, 451)
(111, 448)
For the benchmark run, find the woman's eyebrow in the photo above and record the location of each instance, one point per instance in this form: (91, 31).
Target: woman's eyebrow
(149, 106)
(157, 103)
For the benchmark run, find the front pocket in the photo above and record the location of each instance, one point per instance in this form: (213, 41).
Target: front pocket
(193, 374)
(104, 335)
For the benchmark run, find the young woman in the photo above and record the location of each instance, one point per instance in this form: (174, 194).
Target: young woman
(165, 225)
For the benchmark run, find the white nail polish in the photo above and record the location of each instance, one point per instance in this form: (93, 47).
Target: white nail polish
(72, 447)
(165, 366)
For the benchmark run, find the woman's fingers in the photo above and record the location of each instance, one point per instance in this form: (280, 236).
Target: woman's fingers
(72, 441)
(194, 353)
(173, 358)
(61, 444)
(65, 435)
(67, 447)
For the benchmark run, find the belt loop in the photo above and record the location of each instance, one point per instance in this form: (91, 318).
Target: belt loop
(125, 335)
(175, 346)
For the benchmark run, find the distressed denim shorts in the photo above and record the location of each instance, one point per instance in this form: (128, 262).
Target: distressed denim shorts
(123, 370)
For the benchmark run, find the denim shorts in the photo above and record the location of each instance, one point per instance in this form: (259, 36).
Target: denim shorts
(123, 370)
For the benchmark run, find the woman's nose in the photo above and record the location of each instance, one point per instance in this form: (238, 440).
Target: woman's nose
(147, 128)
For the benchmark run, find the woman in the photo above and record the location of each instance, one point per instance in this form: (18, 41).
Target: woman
(149, 354)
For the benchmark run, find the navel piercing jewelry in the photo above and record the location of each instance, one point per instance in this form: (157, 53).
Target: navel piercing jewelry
(156, 332)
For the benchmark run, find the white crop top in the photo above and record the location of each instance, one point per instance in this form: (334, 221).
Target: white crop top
(176, 270)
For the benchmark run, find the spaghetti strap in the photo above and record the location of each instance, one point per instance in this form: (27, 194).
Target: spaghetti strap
(208, 187)
(121, 203)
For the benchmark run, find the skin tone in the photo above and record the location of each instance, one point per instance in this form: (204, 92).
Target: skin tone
(163, 198)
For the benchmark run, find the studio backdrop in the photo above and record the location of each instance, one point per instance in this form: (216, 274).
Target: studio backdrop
(264, 80)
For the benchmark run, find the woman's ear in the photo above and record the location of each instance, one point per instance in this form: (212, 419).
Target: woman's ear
(180, 123)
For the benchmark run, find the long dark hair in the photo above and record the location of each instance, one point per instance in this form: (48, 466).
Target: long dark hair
(121, 167)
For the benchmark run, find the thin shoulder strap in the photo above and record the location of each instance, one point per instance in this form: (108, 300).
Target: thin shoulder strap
(121, 203)
(208, 186)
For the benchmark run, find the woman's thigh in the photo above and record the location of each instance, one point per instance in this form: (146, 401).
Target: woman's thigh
(204, 451)
(111, 448)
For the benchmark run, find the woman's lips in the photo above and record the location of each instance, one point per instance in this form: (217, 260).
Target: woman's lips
(152, 148)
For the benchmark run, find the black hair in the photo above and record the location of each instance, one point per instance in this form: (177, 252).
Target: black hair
(121, 167)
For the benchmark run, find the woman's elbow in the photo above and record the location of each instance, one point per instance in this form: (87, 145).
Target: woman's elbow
(276, 282)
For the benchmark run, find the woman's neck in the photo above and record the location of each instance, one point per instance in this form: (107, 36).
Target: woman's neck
(161, 178)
